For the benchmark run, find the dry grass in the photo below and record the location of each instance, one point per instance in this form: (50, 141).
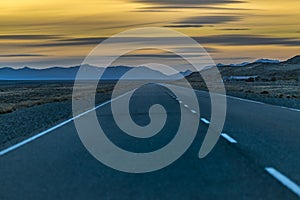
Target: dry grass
(22, 95)
(17, 94)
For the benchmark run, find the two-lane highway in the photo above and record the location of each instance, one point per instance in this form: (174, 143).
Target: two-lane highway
(57, 166)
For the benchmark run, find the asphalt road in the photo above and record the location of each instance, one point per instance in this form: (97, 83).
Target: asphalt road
(259, 139)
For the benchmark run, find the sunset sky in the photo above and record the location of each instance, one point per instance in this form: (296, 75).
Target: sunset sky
(62, 32)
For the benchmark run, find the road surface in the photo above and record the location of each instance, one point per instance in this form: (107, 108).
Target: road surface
(257, 157)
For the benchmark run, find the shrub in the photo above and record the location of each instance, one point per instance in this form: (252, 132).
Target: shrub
(264, 92)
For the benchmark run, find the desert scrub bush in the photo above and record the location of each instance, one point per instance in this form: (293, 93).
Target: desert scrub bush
(6, 108)
(264, 92)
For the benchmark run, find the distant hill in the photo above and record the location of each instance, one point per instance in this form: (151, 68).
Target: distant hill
(266, 70)
(62, 73)
(263, 60)
(53, 73)
(294, 60)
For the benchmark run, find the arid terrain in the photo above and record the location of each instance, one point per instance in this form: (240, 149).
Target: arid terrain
(28, 107)
(23, 94)
(273, 83)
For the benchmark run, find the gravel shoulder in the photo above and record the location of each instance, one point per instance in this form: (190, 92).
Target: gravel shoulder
(29, 108)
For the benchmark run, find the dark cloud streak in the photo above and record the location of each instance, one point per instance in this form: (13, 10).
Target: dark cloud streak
(233, 29)
(184, 26)
(29, 37)
(20, 55)
(209, 20)
(188, 2)
(230, 40)
(190, 7)
(166, 55)
(247, 40)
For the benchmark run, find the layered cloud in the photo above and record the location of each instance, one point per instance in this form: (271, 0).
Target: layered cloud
(41, 33)
(189, 2)
(199, 21)
(173, 5)
(227, 39)
(28, 37)
(20, 55)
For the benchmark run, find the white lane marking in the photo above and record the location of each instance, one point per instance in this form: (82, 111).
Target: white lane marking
(284, 180)
(205, 121)
(247, 100)
(258, 102)
(186, 106)
(228, 138)
(293, 109)
(171, 95)
(33, 138)
(193, 111)
(180, 101)
(9, 149)
(241, 99)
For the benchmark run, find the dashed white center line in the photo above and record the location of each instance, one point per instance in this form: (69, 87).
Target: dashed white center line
(193, 111)
(186, 106)
(284, 180)
(204, 120)
(228, 138)
(180, 101)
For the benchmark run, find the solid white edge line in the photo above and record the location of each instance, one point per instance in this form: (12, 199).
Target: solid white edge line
(228, 138)
(284, 180)
(205, 120)
(247, 100)
(33, 137)
(28, 140)
(292, 109)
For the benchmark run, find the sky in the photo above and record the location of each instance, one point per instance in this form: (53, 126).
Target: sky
(48, 33)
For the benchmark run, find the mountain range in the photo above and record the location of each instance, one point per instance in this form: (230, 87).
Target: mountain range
(63, 73)
(261, 67)
(263, 60)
